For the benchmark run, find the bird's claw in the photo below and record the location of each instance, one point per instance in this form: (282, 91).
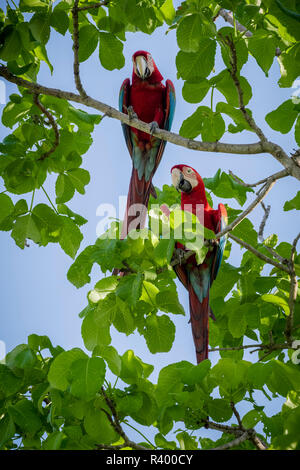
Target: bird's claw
(153, 127)
(131, 113)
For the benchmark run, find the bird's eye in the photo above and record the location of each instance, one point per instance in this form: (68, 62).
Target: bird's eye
(189, 171)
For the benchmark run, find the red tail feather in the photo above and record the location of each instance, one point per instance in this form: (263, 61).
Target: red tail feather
(139, 193)
(199, 313)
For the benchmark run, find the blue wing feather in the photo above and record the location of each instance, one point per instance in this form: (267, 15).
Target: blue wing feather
(123, 104)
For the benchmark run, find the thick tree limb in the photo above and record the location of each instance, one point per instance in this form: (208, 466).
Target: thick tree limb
(217, 147)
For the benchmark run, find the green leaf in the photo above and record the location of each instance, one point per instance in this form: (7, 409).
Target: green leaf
(59, 370)
(13, 112)
(88, 41)
(64, 188)
(224, 186)
(40, 28)
(102, 288)
(235, 114)
(283, 118)
(251, 418)
(168, 302)
(95, 329)
(26, 227)
(159, 333)
(237, 323)
(134, 368)
(211, 125)
(79, 271)
(190, 31)
(276, 300)
(70, 237)
(262, 45)
(7, 429)
(87, 377)
(6, 207)
(167, 11)
(9, 382)
(111, 356)
(194, 92)
(98, 427)
(219, 410)
(293, 203)
(111, 52)
(225, 85)
(25, 416)
(59, 20)
(195, 65)
(79, 178)
(10, 50)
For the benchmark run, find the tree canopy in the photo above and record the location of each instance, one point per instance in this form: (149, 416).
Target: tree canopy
(51, 398)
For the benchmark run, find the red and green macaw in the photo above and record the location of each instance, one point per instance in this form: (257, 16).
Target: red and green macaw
(152, 102)
(198, 278)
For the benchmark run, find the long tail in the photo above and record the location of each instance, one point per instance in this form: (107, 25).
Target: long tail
(199, 313)
(139, 193)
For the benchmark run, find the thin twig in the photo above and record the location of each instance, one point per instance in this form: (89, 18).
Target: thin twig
(93, 6)
(267, 187)
(115, 423)
(228, 17)
(263, 222)
(276, 176)
(235, 442)
(53, 125)
(233, 70)
(260, 255)
(77, 78)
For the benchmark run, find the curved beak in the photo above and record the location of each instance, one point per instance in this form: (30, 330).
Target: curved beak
(142, 68)
(179, 182)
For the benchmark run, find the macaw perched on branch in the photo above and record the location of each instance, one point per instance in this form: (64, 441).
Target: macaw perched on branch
(198, 278)
(152, 102)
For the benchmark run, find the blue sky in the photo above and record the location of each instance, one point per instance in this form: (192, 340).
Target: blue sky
(36, 296)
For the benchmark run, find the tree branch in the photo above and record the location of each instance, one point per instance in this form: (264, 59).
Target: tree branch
(52, 123)
(115, 423)
(235, 442)
(260, 255)
(93, 5)
(77, 79)
(275, 176)
(228, 17)
(249, 149)
(234, 75)
(264, 191)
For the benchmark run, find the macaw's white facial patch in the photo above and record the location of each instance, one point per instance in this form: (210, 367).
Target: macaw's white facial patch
(190, 176)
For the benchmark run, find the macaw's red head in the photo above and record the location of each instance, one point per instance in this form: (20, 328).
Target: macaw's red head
(144, 67)
(187, 180)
